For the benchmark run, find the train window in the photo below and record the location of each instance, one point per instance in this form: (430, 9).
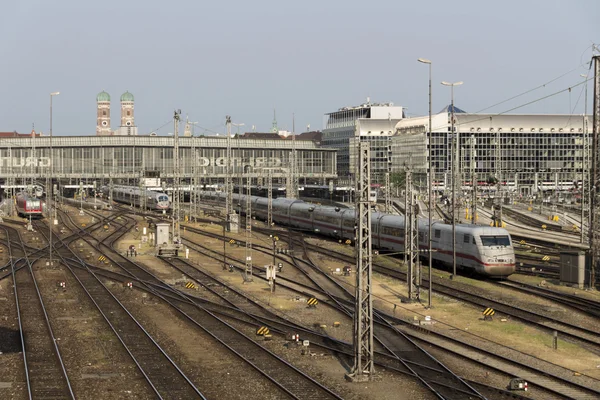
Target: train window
(349, 223)
(467, 238)
(300, 213)
(438, 234)
(474, 240)
(489, 241)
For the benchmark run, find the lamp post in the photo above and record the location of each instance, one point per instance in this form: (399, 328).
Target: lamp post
(429, 184)
(49, 188)
(455, 167)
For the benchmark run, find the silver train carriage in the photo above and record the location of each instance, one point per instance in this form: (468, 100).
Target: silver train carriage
(134, 195)
(485, 250)
(29, 206)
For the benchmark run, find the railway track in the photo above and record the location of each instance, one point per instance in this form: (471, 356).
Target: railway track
(430, 373)
(283, 375)
(45, 370)
(559, 382)
(162, 374)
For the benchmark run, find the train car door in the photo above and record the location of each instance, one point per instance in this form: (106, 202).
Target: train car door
(376, 229)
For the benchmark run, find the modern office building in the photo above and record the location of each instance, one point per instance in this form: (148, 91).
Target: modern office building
(528, 152)
(374, 122)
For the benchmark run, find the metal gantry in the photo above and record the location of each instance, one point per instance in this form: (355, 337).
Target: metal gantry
(594, 226)
(363, 315)
(413, 276)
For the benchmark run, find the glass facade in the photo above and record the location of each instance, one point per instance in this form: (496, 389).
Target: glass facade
(131, 157)
(543, 152)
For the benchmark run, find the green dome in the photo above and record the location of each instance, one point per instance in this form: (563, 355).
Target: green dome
(126, 97)
(103, 96)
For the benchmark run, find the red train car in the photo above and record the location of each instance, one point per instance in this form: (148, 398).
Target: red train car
(29, 206)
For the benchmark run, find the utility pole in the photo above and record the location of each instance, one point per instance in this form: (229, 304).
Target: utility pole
(232, 219)
(388, 195)
(176, 180)
(455, 171)
(363, 368)
(248, 271)
(499, 193)
(585, 164)
(411, 248)
(594, 226)
(388, 191)
(270, 197)
(473, 183)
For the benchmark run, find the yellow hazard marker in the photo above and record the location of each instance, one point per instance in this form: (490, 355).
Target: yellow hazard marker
(312, 302)
(546, 258)
(348, 241)
(488, 313)
(522, 242)
(190, 285)
(262, 331)
(544, 227)
(102, 258)
(232, 242)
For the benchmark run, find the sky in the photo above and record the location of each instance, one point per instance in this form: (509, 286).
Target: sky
(302, 59)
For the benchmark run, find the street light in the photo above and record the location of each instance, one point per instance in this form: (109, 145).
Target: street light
(429, 183)
(455, 167)
(49, 188)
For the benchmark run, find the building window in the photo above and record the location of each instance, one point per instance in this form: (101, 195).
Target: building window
(128, 113)
(104, 113)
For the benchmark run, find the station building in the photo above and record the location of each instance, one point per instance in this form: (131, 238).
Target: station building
(530, 152)
(127, 158)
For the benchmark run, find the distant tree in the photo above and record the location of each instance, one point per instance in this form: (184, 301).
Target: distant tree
(398, 179)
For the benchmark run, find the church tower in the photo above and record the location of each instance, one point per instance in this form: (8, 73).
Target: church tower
(127, 120)
(103, 119)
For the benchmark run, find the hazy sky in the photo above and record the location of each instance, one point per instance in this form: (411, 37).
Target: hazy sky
(244, 58)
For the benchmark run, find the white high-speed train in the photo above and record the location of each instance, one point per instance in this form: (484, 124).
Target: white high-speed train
(485, 250)
(136, 196)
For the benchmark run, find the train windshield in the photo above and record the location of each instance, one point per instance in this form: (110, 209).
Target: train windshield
(490, 241)
(163, 198)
